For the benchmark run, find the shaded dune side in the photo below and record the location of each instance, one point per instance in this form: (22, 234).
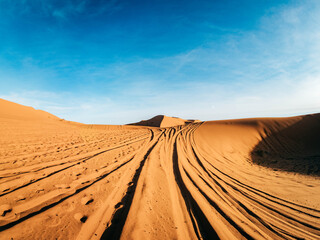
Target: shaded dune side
(152, 122)
(296, 148)
(291, 144)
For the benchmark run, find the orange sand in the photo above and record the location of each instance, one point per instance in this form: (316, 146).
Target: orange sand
(236, 179)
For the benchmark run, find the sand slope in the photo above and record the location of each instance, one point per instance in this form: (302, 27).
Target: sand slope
(209, 180)
(11, 110)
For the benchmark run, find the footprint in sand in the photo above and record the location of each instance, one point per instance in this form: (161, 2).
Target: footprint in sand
(86, 200)
(62, 186)
(4, 209)
(20, 198)
(80, 217)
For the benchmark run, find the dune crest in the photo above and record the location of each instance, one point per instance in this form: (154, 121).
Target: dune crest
(197, 180)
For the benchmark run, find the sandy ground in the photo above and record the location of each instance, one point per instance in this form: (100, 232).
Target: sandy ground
(240, 179)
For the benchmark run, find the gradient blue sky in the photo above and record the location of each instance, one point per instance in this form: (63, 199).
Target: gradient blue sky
(116, 62)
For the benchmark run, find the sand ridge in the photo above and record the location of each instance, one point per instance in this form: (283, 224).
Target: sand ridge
(63, 180)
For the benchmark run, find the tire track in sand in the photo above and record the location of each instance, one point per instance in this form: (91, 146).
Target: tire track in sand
(171, 188)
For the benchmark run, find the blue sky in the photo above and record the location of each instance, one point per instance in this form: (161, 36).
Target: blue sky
(116, 62)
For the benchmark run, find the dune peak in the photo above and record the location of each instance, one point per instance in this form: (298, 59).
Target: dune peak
(163, 121)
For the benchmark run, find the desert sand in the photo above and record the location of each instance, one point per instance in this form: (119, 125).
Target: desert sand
(163, 178)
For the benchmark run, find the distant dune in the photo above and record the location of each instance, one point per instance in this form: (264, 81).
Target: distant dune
(162, 178)
(163, 121)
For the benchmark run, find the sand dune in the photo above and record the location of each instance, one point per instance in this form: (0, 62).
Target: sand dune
(13, 110)
(163, 121)
(236, 179)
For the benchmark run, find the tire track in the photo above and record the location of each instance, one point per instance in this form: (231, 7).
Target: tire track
(70, 163)
(170, 187)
